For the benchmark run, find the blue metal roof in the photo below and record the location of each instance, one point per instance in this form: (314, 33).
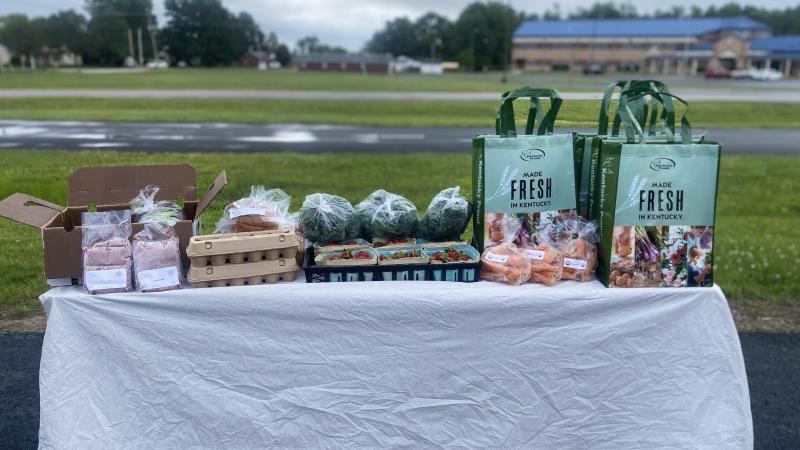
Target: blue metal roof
(635, 27)
(777, 44)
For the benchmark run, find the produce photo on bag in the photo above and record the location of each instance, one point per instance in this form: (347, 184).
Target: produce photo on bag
(622, 258)
(699, 256)
(674, 257)
(647, 256)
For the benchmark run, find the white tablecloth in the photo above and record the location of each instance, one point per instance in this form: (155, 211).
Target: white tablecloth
(416, 364)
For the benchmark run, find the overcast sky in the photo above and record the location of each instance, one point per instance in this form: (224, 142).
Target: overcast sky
(348, 23)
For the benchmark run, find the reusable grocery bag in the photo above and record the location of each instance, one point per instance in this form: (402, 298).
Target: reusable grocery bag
(656, 202)
(530, 177)
(587, 145)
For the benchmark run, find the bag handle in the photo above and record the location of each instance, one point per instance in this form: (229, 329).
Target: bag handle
(505, 124)
(641, 109)
(632, 125)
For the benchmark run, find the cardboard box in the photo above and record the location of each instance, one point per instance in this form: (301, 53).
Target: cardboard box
(107, 188)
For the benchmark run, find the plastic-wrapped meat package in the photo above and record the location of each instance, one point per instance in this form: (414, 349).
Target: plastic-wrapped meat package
(107, 252)
(157, 258)
(263, 210)
(505, 263)
(546, 263)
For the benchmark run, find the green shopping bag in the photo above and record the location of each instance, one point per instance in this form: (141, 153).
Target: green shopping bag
(656, 201)
(530, 177)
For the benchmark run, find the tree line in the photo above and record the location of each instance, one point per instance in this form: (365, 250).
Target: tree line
(479, 38)
(205, 33)
(197, 32)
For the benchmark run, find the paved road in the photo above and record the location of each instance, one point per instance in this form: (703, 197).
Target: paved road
(771, 359)
(726, 94)
(226, 137)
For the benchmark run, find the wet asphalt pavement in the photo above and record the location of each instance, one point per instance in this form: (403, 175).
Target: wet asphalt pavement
(232, 137)
(772, 361)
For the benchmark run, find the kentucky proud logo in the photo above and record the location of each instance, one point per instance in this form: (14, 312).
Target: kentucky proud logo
(658, 164)
(531, 154)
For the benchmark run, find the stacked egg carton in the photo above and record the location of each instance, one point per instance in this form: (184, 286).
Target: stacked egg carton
(239, 259)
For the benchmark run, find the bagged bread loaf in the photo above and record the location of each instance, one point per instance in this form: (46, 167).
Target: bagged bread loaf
(107, 253)
(262, 210)
(156, 258)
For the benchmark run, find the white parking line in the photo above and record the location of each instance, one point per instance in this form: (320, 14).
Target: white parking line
(104, 144)
(282, 136)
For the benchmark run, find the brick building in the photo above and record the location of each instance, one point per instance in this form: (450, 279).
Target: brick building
(653, 46)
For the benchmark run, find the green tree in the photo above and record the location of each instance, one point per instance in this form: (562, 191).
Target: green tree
(312, 44)
(252, 32)
(397, 37)
(67, 30)
(485, 29)
(203, 32)
(606, 10)
(109, 24)
(282, 55)
(23, 36)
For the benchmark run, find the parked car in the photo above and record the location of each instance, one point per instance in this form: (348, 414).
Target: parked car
(157, 64)
(718, 73)
(594, 69)
(752, 73)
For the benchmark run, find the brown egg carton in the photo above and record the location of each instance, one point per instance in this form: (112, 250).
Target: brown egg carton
(252, 273)
(241, 248)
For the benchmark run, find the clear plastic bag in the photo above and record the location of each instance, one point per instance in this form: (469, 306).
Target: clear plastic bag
(447, 216)
(577, 239)
(262, 210)
(386, 215)
(157, 258)
(505, 263)
(145, 208)
(107, 253)
(327, 218)
(546, 263)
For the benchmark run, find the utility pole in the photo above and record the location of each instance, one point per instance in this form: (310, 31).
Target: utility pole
(130, 43)
(141, 50)
(151, 28)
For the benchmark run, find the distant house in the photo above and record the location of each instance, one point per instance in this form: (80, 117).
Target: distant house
(424, 66)
(345, 62)
(5, 55)
(655, 46)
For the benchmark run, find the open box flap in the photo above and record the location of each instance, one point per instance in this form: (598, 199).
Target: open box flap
(29, 210)
(120, 184)
(216, 186)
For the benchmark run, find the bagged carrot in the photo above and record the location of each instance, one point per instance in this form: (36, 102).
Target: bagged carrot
(577, 239)
(505, 263)
(546, 263)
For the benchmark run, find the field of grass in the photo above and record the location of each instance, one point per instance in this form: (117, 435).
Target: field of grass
(757, 234)
(574, 113)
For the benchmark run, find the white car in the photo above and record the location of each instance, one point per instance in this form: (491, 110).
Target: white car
(757, 74)
(157, 64)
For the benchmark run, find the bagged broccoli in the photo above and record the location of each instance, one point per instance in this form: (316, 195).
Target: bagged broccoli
(386, 215)
(447, 216)
(262, 210)
(146, 209)
(325, 218)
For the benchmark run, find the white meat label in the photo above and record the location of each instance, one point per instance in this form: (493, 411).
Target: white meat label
(537, 255)
(158, 278)
(98, 280)
(238, 212)
(496, 258)
(579, 264)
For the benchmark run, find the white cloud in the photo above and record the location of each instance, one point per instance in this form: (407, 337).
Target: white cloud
(350, 23)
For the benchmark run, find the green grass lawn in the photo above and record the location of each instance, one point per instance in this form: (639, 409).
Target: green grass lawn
(758, 212)
(389, 113)
(250, 78)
